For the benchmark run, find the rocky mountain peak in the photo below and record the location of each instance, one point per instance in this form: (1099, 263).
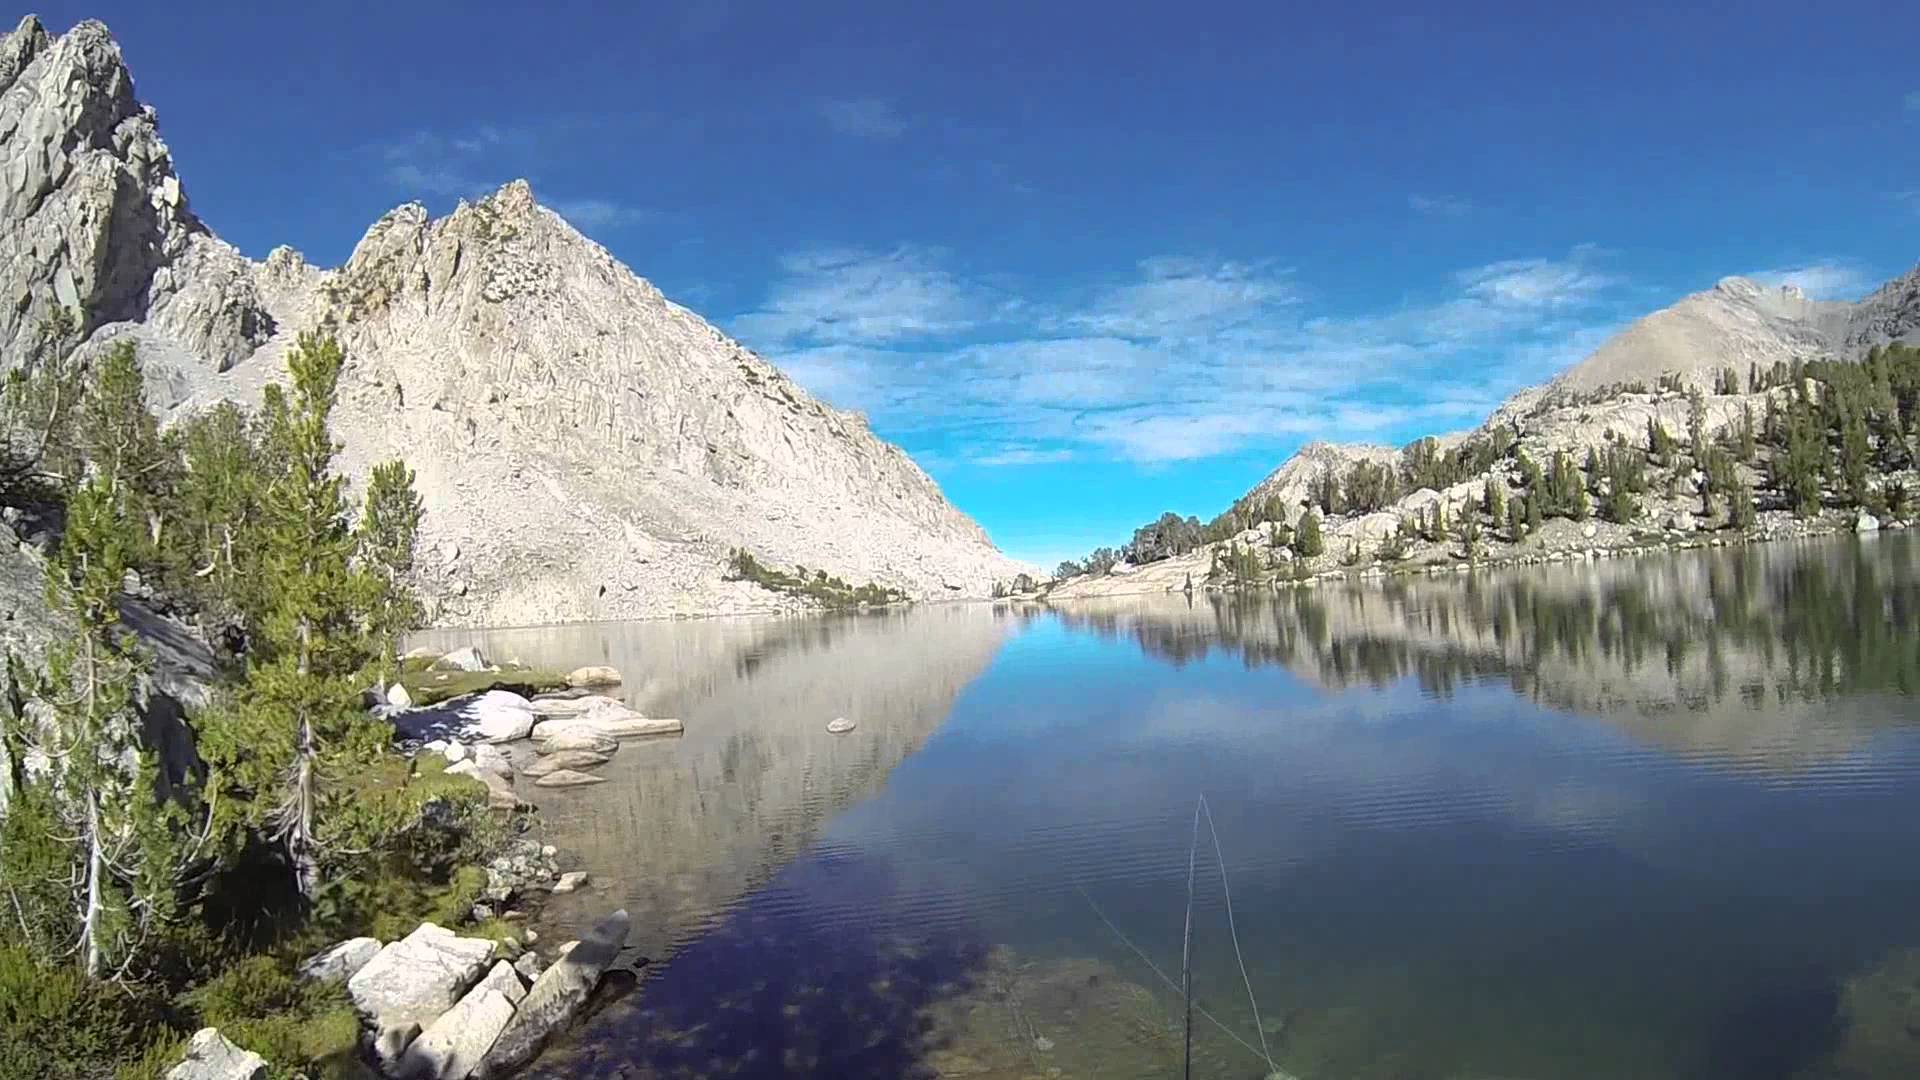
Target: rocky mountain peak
(97, 219)
(584, 447)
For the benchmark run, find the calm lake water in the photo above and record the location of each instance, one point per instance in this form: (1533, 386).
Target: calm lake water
(1653, 818)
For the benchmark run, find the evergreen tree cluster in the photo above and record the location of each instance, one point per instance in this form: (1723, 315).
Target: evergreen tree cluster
(243, 522)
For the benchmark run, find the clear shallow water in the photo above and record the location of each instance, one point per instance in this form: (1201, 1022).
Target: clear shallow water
(1628, 819)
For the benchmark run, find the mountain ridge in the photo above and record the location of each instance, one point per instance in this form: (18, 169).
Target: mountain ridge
(585, 448)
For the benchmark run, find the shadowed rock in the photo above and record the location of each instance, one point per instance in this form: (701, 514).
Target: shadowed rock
(556, 998)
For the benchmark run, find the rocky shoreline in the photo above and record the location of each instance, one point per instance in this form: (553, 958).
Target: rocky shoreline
(437, 1005)
(1559, 541)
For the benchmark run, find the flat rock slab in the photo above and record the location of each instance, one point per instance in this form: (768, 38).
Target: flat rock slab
(559, 740)
(417, 978)
(455, 1043)
(593, 675)
(491, 717)
(341, 962)
(211, 1056)
(568, 778)
(556, 997)
(560, 708)
(566, 759)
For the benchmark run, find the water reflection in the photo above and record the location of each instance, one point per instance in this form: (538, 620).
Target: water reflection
(1620, 819)
(1777, 655)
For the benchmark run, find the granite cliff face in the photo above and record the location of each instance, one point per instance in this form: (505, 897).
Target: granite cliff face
(585, 448)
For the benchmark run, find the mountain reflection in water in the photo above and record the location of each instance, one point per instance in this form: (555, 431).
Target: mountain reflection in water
(1647, 818)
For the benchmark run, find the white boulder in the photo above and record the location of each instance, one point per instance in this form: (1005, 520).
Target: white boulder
(839, 725)
(398, 697)
(499, 716)
(593, 676)
(417, 978)
(1866, 523)
(211, 1056)
(571, 880)
(340, 962)
(465, 658)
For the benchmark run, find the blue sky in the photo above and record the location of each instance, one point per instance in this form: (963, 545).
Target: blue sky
(1088, 261)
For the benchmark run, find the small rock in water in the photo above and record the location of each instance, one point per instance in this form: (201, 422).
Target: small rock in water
(839, 725)
(568, 778)
(1043, 1044)
(593, 676)
(569, 881)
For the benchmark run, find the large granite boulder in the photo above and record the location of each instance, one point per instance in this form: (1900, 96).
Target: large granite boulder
(341, 962)
(452, 1045)
(556, 997)
(415, 979)
(211, 1056)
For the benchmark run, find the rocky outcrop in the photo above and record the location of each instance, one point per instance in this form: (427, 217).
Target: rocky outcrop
(1292, 483)
(96, 219)
(414, 980)
(584, 447)
(211, 1056)
(454, 1044)
(556, 998)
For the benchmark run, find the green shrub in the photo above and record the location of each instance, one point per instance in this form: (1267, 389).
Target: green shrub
(301, 1028)
(55, 1024)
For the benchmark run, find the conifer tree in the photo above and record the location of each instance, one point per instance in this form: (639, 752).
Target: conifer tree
(296, 725)
(1309, 541)
(389, 525)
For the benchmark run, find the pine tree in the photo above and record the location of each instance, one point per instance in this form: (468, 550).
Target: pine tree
(389, 525)
(296, 725)
(1309, 541)
(94, 826)
(1516, 520)
(1740, 507)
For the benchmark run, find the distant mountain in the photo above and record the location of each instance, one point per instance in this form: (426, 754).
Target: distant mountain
(585, 448)
(1635, 381)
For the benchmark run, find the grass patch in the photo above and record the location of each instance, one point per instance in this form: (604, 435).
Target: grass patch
(829, 592)
(427, 687)
(301, 1028)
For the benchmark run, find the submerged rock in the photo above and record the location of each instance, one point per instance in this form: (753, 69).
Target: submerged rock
(839, 725)
(565, 778)
(211, 1056)
(566, 759)
(556, 998)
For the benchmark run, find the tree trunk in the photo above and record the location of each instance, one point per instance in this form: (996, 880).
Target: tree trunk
(306, 868)
(90, 922)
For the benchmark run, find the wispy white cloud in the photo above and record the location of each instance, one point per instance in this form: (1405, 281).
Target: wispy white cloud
(1822, 279)
(1178, 359)
(852, 296)
(864, 118)
(1439, 206)
(1022, 455)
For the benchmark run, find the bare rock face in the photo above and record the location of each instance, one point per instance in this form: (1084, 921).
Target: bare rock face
(96, 218)
(585, 448)
(1293, 481)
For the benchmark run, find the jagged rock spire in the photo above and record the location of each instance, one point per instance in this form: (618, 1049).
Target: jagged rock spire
(97, 220)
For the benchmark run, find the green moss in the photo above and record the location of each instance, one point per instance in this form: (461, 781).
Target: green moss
(432, 687)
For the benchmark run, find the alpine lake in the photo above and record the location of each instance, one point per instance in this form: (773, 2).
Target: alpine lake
(1646, 818)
